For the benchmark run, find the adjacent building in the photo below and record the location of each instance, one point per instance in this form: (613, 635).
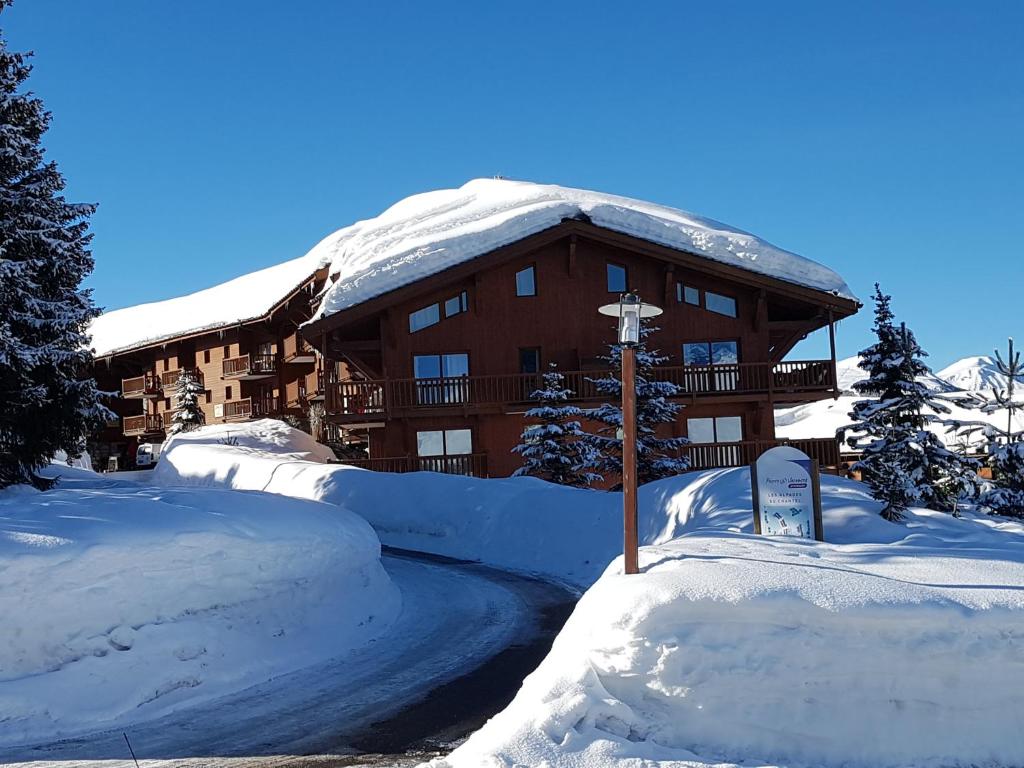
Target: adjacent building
(423, 332)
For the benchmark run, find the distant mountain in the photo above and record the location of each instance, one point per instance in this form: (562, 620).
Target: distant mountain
(848, 373)
(974, 374)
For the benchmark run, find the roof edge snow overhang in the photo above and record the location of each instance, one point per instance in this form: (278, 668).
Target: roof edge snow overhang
(163, 341)
(839, 306)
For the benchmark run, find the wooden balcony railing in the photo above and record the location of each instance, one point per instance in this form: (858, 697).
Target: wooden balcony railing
(250, 408)
(298, 350)
(250, 365)
(368, 400)
(470, 464)
(147, 385)
(144, 424)
(169, 379)
(740, 454)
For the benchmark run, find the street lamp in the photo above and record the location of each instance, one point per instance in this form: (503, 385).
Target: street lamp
(630, 311)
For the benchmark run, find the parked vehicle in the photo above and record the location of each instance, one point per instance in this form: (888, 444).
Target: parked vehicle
(147, 454)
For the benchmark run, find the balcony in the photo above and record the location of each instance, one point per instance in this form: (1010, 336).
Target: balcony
(250, 367)
(297, 350)
(169, 379)
(741, 454)
(147, 385)
(470, 465)
(250, 408)
(144, 424)
(779, 383)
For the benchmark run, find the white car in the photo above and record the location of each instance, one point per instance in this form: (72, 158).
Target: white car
(148, 454)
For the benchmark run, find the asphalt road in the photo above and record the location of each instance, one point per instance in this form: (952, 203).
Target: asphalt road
(465, 639)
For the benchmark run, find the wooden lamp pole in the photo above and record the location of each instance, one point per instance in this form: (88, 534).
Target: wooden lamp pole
(630, 310)
(631, 544)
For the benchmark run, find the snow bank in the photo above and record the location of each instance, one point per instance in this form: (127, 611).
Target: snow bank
(245, 298)
(122, 600)
(889, 646)
(261, 436)
(427, 233)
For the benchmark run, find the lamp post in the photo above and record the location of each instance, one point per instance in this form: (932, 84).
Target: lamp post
(630, 310)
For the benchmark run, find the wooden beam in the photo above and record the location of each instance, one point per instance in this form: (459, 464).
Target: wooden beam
(832, 350)
(572, 255)
(670, 278)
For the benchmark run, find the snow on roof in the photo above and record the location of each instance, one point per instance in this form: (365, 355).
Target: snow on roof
(245, 298)
(430, 232)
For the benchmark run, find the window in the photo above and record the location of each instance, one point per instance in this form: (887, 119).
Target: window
(617, 278)
(706, 353)
(723, 305)
(424, 318)
(526, 282)
(456, 304)
(444, 378)
(167, 403)
(433, 446)
(688, 294)
(227, 393)
(529, 359)
(209, 396)
(206, 355)
(227, 352)
(720, 429)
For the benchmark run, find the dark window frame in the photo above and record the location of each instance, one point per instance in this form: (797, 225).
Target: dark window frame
(733, 299)
(532, 268)
(424, 308)
(536, 352)
(608, 277)
(444, 442)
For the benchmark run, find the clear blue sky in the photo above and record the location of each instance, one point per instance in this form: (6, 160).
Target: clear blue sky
(883, 139)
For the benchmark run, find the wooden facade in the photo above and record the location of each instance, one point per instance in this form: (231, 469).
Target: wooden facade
(248, 370)
(438, 373)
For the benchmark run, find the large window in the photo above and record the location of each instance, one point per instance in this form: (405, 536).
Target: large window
(526, 282)
(617, 278)
(720, 429)
(424, 318)
(445, 450)
(443, 378)
(723, 305)
(722, 354)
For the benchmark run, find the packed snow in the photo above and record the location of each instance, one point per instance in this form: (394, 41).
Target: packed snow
(122, 601)
(889, 645)
(245, 298)
(430, 232)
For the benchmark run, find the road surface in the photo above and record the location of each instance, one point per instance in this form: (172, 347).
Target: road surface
(430, 680)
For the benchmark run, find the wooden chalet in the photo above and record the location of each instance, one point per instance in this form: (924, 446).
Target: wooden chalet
(441, 369)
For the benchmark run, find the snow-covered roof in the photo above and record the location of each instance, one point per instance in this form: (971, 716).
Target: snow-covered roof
(430, 232)
(245, 298)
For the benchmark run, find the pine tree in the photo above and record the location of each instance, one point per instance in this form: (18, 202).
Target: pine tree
(657, 457)
(903, 462)
(48, 402)
(1005, 448)
(188, 415)
(553, 446)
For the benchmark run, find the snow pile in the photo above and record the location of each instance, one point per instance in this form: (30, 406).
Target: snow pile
(891, 645)
(260, 436)
(245, 298)
(974, 374)
(430, 232)
(122, 601)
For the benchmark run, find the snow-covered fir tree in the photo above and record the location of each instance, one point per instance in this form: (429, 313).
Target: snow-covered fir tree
(553, 445)
(1005, 447)
(657, 457)
(903, 462)
(188, 414)
(48, 401)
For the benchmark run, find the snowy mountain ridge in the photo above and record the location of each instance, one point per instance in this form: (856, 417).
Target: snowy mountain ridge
(974, 374)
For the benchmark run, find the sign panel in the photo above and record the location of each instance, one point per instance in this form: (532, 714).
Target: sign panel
(787, 495)
(218, 410)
